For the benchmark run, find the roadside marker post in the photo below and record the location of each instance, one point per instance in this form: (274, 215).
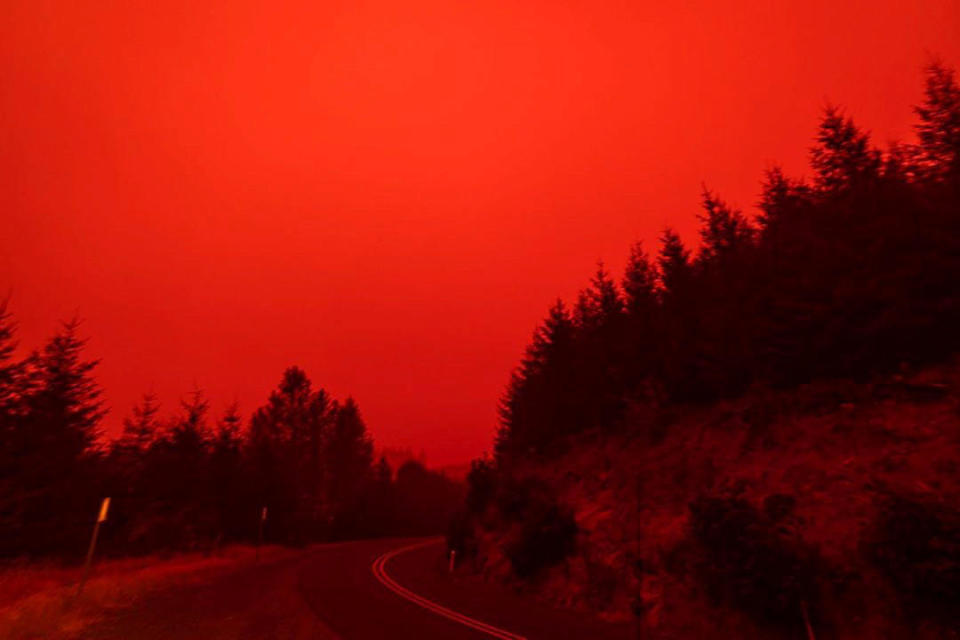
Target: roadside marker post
(453, 559)
(263, 518)
(806, 621)
(101, 517)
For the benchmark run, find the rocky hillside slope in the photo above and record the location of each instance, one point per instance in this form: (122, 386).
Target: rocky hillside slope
(830, 511)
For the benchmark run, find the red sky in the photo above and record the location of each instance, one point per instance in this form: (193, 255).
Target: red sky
(391, 194)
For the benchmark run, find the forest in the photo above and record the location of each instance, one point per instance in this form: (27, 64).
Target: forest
(303, 463)
(842, 275)
(748, 418)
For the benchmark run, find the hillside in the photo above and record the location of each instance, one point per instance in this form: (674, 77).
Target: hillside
(737, 516)
(756, 436)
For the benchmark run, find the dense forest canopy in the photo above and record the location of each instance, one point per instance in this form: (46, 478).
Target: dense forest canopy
(189, 479)
(847, 273)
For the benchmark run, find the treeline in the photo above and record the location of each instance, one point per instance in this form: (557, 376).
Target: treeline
(845, 274)
(191, 480)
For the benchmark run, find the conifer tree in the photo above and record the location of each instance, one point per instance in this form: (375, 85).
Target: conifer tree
(640, 282)
(348, 463)
(939, 126)
(724, 233)
(53, 444)
(842, 156)
(676, 272)
(10, 370)
(140, 428)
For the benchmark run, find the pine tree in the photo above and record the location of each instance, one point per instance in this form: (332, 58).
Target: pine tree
(129, 455)
(843, 156)
(64, 406)
(641, 288)
(9, 369)
(725, 232)
(541, 390)
(190, 433)
(287, 437)
(600, 305)
(676, 272)
(11, 488)
(349, 460)
(640, 282)
(53, 441)
(226, 475)
(140, 428)
(939, 126)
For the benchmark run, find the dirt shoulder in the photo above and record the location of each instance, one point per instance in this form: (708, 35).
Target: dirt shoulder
(40, 600)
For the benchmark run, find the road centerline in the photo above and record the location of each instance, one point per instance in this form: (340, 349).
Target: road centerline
(379, 568)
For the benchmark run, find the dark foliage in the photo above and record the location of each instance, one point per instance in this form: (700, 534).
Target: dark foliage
(752, 561)
(426, 500)
(188, 481)
(848, 275)
(544, 530)
(916, 544)
(481, 485)
(51, 412)
(547, 534)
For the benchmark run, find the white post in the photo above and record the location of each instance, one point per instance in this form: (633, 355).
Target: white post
(101, 517)
(453, 559)
(806, 621)
(263, 518)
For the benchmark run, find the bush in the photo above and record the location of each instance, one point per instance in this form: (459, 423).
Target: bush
(749, 560)
(916, 544)
(547, 534)
(481, 485)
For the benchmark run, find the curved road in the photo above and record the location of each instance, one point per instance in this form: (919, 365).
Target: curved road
(370, 589)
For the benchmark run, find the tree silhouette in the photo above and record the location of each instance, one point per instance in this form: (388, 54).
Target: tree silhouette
(52, 440)
(287, 437)
(939, 126)
(842, 157)
(848, 276)
(349, 457)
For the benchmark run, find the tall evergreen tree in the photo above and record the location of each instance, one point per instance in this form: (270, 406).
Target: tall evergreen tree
(541, 394)
(64, 406)
(349, 462)
(676, 272)
(53, 441)
(939, 126)
(600, 305)
(9, 369)
(724, 233)
(640, 282)
(227, 475)
(287, 438)
(843, 156)
(142, 426)
(642, 297)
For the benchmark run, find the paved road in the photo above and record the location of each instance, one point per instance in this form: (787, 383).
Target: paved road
(365, 590)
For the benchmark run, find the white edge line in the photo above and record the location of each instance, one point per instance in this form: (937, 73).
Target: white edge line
(379, 568)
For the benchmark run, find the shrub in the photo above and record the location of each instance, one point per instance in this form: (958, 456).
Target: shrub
(481, 485)
(751, 563)
(515, 497)
(547, 534)
(916, 544)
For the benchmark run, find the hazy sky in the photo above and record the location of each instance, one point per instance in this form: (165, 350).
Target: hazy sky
(390, 194)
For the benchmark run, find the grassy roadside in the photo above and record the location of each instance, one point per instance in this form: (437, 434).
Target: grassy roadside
(37, 601)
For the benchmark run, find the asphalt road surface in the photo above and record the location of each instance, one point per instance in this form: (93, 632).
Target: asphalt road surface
(397, 589)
